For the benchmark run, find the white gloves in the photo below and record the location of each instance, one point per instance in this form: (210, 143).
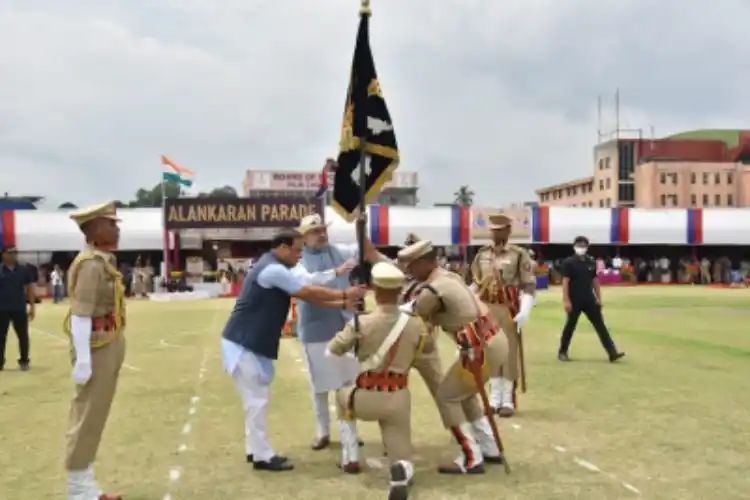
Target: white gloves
(81, 329)
(82, 372)
(524, 313)
(407, 308)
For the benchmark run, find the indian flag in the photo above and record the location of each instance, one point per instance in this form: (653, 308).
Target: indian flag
(177, 173)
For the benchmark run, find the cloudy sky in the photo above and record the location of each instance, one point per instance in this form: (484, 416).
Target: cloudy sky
(499, 95)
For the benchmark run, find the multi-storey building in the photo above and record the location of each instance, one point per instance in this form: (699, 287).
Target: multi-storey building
(401, 190)
(705, 168)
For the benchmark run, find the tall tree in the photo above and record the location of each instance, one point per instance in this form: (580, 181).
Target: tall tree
(464, 196)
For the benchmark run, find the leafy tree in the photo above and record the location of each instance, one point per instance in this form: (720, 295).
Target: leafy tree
(464, 196)
(153, 197)
(220, 192)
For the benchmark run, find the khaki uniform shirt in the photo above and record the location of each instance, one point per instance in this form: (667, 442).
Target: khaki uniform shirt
(374, 328)
(94, 293)
(451, 306)
(513, 263)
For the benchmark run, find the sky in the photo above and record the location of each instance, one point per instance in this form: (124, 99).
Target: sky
(497, 95)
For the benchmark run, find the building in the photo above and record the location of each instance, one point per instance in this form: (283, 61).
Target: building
(401, 190)
(702, 168)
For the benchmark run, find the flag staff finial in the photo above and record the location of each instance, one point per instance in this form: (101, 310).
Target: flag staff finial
(364, 8)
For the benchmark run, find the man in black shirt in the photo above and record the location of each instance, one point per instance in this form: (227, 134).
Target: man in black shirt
(16, 295)
(582, 294)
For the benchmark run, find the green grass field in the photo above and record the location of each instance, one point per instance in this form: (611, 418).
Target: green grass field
(670, 422)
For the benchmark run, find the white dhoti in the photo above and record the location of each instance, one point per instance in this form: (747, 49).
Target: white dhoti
(327, 373)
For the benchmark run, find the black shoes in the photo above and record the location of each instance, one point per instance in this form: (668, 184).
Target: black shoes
(275, 464)
(615, 356)
(24, 366)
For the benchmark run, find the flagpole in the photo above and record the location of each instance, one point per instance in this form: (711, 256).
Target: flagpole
(363, 11)
(165, 246)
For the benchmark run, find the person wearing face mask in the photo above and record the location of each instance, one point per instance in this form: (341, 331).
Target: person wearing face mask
(582, 294)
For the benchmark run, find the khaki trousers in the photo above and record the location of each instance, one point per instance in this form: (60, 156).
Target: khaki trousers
(90, 407)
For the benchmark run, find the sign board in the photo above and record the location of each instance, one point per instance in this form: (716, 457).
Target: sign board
(521, 225)
(303, 181)
(186, 213)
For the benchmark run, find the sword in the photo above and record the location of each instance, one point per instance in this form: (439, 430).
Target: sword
(476, 370)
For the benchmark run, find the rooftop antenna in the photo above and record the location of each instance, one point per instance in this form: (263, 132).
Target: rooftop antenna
(599, 119)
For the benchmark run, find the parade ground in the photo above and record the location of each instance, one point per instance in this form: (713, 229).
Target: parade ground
(672, 421)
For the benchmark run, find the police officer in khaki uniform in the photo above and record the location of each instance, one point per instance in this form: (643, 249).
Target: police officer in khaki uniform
(387, 345)
(95, 325)
(504, 279)
(429, 366)
(445, 301)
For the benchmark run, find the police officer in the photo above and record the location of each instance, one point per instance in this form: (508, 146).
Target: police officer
(388, 343)
(444, 300)
(504, 279)
(95, 326)
(17, 305)
(582, 294)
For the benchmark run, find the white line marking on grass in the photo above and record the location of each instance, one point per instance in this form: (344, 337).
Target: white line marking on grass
(590, 466)
(131, 367)
(175, 472)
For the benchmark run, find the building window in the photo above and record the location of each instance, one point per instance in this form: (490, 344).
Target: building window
(606, 163)
(730, 200)
(601, 203)
(663, 178)
(705, 200)
(705, 178)
(692, 178)
(693, 200)
(730, 178)
(717, 178)
(608, 184)
(601, 184)
(717, 200)
(601, 164)
(609, 202)
(674, 179)
(664, 200)
(674, 200)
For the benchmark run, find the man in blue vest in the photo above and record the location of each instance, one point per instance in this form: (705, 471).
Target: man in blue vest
(252, 335)
(326, 263)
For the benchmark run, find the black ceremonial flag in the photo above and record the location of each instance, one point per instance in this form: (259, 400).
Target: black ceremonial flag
(367, 123)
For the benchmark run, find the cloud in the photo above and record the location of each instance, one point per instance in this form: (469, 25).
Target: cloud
(497, 95)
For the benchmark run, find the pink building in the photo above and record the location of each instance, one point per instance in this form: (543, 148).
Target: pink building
(705, 168)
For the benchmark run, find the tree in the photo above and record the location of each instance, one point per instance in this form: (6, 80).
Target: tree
(221, 192)
(67, 206)
(464, 196)
(153, 197)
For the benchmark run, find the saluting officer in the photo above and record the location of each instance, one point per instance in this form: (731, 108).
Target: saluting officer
(95, 326)
(388, 343)
(504, 279)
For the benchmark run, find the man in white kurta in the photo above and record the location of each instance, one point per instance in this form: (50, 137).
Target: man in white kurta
(328, 264)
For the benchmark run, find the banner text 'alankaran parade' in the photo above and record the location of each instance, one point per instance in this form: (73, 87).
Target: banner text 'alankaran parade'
(198, 213)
